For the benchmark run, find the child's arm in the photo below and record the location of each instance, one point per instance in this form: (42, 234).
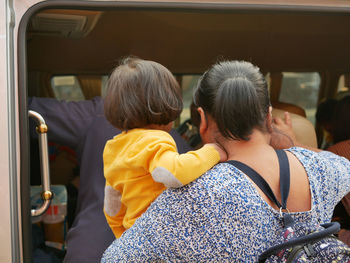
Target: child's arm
(172, 169)
(114, 210)
(117, 228)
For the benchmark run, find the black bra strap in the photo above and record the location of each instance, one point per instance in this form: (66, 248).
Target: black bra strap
(284, 176)
(263, 185)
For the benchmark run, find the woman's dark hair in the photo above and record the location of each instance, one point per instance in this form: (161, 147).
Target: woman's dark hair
(235, 94)
(141, 92)
(341, 120)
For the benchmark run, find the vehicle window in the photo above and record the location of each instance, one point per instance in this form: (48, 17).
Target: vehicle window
(302, 90)
(343, 86)
(67, 88)
(188, 83)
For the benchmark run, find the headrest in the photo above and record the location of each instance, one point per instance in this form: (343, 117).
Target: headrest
(292, 108)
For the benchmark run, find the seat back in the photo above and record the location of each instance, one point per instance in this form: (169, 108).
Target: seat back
(303, 128)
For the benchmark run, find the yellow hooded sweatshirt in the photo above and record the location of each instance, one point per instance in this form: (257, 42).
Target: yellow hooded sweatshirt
(139, 165)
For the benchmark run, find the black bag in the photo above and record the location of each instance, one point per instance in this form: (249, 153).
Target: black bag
(298, 242)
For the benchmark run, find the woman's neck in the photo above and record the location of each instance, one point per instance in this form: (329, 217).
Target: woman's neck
(238, 149)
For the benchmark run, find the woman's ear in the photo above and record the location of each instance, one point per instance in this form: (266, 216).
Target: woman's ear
(269, 120)
(203, 126)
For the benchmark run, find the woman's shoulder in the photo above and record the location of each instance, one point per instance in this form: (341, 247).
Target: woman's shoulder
(323, 163)
(221, 182)
(309, 156)
(221, 173)
(302, 152)
(324, 168)
(220, 179)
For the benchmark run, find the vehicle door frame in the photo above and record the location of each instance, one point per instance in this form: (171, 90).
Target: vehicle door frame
(103, 5)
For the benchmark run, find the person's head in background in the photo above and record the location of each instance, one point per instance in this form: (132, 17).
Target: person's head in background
(324, 117)
(235, 95)
(142, 94)
(341, 120)
(324, 114)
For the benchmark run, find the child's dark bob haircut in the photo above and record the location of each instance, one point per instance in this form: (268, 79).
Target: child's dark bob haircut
(141, 93)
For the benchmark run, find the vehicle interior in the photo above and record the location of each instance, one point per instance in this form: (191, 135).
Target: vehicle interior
(70, 52)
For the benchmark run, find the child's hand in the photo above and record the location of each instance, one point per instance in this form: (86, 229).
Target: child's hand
(222, 152)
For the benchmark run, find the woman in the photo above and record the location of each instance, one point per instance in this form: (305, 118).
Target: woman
(223, 216)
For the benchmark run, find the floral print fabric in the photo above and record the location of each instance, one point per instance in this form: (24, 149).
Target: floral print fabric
(220, 217)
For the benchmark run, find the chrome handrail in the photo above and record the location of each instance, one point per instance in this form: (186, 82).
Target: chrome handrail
(46, 195)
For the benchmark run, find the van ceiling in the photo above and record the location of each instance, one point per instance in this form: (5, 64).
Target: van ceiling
(188, 42)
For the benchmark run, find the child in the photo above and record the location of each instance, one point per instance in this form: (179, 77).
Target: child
(143, 99)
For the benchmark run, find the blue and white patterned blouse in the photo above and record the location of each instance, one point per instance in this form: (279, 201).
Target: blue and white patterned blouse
(220, 217)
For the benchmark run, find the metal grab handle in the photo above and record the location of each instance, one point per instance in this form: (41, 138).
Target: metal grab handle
(46, 195)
